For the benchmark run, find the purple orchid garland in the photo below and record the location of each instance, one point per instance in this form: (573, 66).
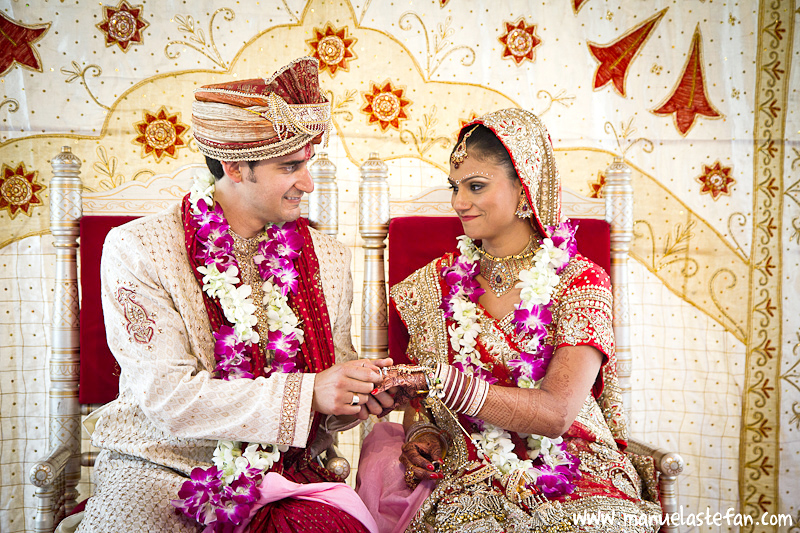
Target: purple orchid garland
(553, 469)
(222, 498)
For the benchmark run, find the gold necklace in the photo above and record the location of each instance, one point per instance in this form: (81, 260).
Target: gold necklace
(502, 273)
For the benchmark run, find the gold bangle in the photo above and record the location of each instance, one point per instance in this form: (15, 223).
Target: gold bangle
(418, 429)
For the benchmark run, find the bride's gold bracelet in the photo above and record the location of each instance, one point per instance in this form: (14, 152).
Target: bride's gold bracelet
(418, 429)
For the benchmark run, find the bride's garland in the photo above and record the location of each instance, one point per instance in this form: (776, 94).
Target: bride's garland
(550, 467)
(221, 496)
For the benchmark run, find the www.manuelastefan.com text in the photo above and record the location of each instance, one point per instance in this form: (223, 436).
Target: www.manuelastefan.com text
(681, 518)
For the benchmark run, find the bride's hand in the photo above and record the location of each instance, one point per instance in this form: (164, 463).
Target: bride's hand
(422, 458)
(406, 378)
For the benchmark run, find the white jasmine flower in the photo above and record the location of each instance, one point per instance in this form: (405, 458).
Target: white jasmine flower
(467, 248)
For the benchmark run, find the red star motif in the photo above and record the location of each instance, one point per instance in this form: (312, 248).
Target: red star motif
(386, 106)
(18, 190)
(520, 41)
(122, 26)
(689, 98)
(332, 47)
(16, 44)
(160, 134)
(716, 180)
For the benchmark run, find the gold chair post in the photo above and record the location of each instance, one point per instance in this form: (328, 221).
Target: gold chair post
(618, 194)
(323, 203)
(373, 224)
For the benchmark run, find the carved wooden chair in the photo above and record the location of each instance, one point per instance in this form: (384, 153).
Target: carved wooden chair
(83, 372)
(605, 234)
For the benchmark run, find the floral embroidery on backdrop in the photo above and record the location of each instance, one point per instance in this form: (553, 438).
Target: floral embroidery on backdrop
(123, 25)
(18, 44)
(333, 48)
(386, 105)
(161, 134)
(19, 190)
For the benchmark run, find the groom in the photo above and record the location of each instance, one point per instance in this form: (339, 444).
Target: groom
(230, 320)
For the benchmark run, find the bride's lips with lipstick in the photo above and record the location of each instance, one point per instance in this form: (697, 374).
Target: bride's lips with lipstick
(466, 218)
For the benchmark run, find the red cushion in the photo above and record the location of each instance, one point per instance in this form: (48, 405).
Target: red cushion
(416, 241)
(99, 372)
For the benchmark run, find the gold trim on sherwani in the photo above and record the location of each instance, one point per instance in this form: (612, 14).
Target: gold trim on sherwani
(251, 120)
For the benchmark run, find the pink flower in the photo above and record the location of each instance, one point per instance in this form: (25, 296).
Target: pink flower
(533, 321)
(552, 483)
(227, 341)
(563, 236)
(245, 487)
(197, 494)
(285, 348)
(207, 217)
(460, 276)
(523, 366)
(285, 241)
(231, 355)
(286, 278)
(268, 264)
(234, 368)
(217, 248)
(230, 513)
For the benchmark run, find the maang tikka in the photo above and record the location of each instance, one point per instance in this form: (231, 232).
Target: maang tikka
(460, 153)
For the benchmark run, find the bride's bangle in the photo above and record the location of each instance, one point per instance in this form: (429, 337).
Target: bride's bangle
(419, 429)
(460, 392)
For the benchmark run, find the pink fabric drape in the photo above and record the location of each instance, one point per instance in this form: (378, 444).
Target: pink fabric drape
(380, 472)
(275, 487)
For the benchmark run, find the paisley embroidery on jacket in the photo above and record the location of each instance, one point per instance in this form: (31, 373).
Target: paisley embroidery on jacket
(140, 326)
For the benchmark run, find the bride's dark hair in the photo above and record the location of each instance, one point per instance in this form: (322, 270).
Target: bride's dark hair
(483, 144)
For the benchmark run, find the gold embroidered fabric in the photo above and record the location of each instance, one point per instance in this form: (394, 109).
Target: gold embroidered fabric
(244, 250)
(466, 500)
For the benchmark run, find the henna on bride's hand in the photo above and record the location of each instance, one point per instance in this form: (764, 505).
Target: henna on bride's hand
(410, 382)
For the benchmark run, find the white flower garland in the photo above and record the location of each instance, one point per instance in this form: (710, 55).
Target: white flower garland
(232, 462)
(537, 285)
(239, 309)
(237, 302)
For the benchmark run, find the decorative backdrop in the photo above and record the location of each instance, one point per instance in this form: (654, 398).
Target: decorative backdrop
(701, 97)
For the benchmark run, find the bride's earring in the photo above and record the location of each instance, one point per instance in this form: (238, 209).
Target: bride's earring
(523, 208)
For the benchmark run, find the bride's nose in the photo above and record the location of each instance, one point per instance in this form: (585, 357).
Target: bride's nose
(459, 200)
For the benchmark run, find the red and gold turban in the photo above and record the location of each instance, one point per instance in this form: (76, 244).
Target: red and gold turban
(251, 120)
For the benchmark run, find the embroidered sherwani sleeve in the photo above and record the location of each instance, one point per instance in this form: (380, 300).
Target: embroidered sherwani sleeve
(158, 331)
(342, 338)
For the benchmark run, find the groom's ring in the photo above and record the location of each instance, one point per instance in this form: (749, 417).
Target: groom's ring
(356, 400)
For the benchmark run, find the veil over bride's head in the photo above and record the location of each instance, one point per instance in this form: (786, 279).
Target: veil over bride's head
(526, 140)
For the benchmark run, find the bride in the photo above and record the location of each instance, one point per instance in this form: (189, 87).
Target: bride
(520, 427)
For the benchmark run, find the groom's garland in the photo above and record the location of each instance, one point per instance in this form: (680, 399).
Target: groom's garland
(222, 496)
(549, 466)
